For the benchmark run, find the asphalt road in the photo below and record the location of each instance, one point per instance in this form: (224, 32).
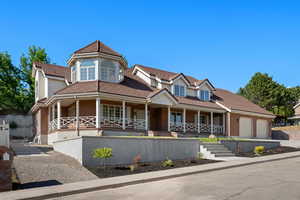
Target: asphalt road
(272, 180)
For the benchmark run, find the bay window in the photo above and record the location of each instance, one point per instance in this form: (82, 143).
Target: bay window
(87, 70)
(108, 71)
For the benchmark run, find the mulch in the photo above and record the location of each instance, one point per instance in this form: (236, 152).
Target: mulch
(277, 150)
(121, 170)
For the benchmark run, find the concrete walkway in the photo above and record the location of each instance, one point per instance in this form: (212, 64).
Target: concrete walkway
(102, 185)
(22, 148)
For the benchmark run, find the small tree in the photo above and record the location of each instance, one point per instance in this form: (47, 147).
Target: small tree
(103, 153)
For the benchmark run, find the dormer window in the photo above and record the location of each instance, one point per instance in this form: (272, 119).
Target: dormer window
(204, 95)
(179, 90)
(87, 70)
(154, 82)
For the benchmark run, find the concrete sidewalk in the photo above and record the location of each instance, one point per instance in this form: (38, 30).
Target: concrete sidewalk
(101, 184)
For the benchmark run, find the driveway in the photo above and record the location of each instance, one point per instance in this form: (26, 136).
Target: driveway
(39, 165)
(270, 180)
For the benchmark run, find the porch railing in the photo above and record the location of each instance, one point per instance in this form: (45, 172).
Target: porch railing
(193, 127)
(90, 122)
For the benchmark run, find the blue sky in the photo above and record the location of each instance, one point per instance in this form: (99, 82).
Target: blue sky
(224, 41)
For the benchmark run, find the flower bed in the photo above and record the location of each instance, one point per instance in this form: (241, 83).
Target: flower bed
(120, 170)
(267, 152)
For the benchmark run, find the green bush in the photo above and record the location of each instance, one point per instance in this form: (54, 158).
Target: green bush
(200, 156)
(168, 163)
(258, 150)
(102, 153)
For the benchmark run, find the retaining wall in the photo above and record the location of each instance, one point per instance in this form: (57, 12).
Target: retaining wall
(24, 125)
(248, 146)
(125, 149)
(6, 159)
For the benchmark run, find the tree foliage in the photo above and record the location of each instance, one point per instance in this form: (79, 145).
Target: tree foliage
(10, 85)
(267, 93)
(17, 84)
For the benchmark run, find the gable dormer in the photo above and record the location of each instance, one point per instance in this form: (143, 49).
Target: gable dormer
(97, 61)
(179, 85)
(205, 90)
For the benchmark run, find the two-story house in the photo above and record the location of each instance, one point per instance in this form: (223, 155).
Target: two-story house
(97, 94)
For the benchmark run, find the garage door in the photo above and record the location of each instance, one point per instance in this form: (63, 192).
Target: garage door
(245, 127)
(261, 128)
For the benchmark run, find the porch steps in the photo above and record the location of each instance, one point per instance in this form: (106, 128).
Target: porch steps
(212, 150)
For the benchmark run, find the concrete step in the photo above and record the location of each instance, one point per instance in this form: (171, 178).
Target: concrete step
(218, 149)
(224, 154)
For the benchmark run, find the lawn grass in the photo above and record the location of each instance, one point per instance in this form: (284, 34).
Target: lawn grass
(217, 139)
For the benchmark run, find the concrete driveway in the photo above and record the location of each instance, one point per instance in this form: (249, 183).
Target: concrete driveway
(39, 165)
(271, 180)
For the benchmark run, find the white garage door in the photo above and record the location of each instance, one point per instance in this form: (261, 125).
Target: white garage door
(261, 128)
(245, 127)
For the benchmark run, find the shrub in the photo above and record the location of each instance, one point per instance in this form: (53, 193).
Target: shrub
(168, 163)
(258, 150)
(200, 156)
(13, 125)
(102, 153)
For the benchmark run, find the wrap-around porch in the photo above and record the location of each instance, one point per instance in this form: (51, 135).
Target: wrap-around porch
(101, 114)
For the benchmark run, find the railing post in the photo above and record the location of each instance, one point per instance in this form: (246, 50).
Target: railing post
(211, 123)
(77, 116)
(198, 121)
(184, 112)
(123, 115)
(169, 118)
(98, 113)
(58, 114)
(146, 116)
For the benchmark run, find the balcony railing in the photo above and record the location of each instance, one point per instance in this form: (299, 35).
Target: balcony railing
(193, 127)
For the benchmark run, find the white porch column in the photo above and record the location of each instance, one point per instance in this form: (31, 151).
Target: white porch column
(169, 118)
(224, 121)
(53, 111)
(98, 113)
(77, 116)
(228, 124)
(211, 123)
(184, 117)
(58, 114)
(198, 121)
(146, 116)
(123, 114)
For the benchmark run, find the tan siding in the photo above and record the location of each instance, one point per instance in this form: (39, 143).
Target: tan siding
(297, 110)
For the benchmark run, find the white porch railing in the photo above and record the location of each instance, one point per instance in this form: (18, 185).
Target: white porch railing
(111, 123)
(52, 125)
(191, 127)
(90, 122)
(176, 126)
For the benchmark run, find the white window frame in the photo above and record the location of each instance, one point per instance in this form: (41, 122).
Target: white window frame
(204, 95)
(109, 112)
(87, 68)
(109, 71)
(181, 90)
(175, 114)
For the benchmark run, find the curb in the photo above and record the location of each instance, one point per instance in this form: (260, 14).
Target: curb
(115, 182)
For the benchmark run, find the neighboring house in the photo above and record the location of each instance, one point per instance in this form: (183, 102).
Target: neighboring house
(296, 118)
(97, 94)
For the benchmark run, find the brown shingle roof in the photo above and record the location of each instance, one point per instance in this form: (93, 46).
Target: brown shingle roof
(55, 70)
(130, 86)
(166, 75)
(237, 102)
(98, 46)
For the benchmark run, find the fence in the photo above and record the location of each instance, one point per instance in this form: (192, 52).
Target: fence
(4, 133)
